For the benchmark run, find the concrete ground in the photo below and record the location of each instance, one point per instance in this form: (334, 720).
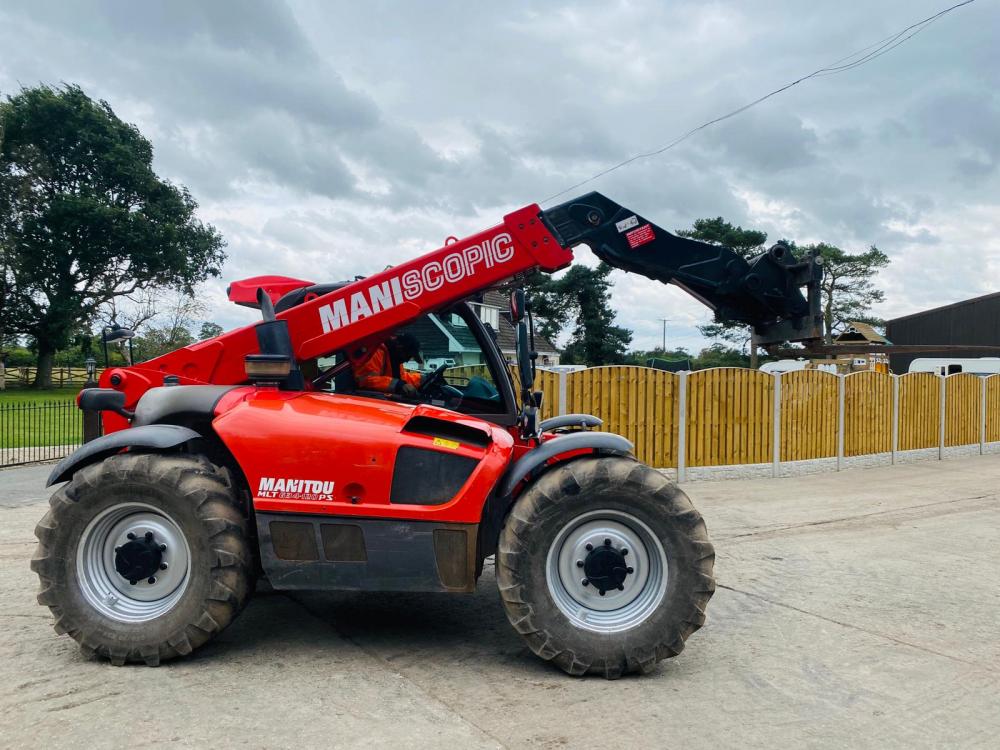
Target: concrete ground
(854, 609)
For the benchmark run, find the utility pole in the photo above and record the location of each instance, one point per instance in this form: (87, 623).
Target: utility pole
(664, 346)
(753, 350)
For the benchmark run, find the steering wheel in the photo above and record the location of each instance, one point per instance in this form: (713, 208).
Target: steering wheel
(432, 379)
(433, 382)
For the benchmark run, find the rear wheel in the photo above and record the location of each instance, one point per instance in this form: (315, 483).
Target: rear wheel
(605, 567)
(144, 557)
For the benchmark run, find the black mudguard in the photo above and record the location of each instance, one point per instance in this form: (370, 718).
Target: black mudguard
(157, 436)
(582, 421)
(605, 442)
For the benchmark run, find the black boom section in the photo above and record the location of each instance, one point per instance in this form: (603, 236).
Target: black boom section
(764, 292)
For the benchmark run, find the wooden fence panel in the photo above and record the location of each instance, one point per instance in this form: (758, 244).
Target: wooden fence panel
(962, 393)
(546, 381)
(638, 403)
(808, 415)
(993, 408)
(919, 410)
(730, 417)
(867, 413)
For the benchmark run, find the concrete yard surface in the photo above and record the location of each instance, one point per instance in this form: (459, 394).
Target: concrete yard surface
(856, 609)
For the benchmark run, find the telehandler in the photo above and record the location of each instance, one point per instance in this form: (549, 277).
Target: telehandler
(256, 454)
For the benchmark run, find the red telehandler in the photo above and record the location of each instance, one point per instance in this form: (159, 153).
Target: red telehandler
(256, 453)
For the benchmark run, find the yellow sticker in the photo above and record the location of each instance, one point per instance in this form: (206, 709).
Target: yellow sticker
(441, 442)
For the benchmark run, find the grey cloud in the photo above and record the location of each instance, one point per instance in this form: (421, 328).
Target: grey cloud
(313, 132)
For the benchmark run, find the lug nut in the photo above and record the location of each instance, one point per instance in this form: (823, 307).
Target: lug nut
(589, 547)
(579, 563)
(149, 536)
(601, 592)
(585, 582)
(151, 579)
(621, 587)
(163, 566)
(117, 550)
(624, 551)
(629, 570)
(607, 542)
(132, 583)
(130, 535)
(163, 548)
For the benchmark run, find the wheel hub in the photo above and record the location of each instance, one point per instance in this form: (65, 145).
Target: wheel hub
(605, 567)
(139, 558)
(606, 571)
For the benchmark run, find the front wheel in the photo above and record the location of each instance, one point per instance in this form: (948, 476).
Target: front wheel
(605, 567)
(144, 557)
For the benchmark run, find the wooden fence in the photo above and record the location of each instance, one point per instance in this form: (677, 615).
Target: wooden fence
(62, 377)
(731, 416)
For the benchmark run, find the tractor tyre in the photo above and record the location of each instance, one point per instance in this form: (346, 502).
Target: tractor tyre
(144, 557)
(605, 567)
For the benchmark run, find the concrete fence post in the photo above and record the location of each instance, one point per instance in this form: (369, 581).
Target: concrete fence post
(562, 394)
(841, 396)
(943, 408)
(895, 418)
(776, 449)
(982, 415)
(682, 382)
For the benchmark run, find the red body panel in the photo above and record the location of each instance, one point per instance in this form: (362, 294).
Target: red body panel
(315, 439)
(360, 315)
(244, 291)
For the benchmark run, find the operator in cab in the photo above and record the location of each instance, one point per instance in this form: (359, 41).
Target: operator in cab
(384, 370)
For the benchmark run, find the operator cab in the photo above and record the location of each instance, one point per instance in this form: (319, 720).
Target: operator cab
(457, 365)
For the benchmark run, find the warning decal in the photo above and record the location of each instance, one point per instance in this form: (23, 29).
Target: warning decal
(640, 236)
(631, 221)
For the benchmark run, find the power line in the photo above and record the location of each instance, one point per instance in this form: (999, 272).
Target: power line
(857, 59)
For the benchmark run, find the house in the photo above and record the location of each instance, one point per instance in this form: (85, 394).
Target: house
(493, 308)
(858, 332)
(446, 339)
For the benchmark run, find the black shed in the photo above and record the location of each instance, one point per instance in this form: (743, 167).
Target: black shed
(975, 322)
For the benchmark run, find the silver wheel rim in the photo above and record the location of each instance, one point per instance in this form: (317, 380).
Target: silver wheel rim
(113, 595)
(642, 590)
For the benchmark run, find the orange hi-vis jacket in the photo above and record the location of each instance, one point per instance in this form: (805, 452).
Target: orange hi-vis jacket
(375, 373)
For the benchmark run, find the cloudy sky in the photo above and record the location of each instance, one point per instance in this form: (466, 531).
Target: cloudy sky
(328, 139)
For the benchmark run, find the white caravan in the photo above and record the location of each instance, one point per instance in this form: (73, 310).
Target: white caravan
(948, 366)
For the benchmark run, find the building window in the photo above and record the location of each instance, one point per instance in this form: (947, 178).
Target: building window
(489, 314)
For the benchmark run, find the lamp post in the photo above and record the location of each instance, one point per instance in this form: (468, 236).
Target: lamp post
(91, 364)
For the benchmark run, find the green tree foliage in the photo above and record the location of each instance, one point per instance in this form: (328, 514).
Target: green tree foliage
(84, 219)
(746, 242)
(716, 355)
(848, 286)
(160, 340)
(210, 330)
(581, 298)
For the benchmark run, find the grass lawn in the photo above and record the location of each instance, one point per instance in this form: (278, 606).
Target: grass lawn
(29, 396)
(39, 418)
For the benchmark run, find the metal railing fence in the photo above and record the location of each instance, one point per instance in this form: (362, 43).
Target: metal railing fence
(41, 431)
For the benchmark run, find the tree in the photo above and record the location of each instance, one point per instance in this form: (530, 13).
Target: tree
(582, 297)
(746, 242)
(210, 330)
(84, 220)
(595, 339)
(848, 288)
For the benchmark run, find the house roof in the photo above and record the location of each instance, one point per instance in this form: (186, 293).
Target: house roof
(953, 305)
(858, 331)
(505, 336)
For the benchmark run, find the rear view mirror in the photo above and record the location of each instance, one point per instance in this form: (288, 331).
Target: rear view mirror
(517, 306)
